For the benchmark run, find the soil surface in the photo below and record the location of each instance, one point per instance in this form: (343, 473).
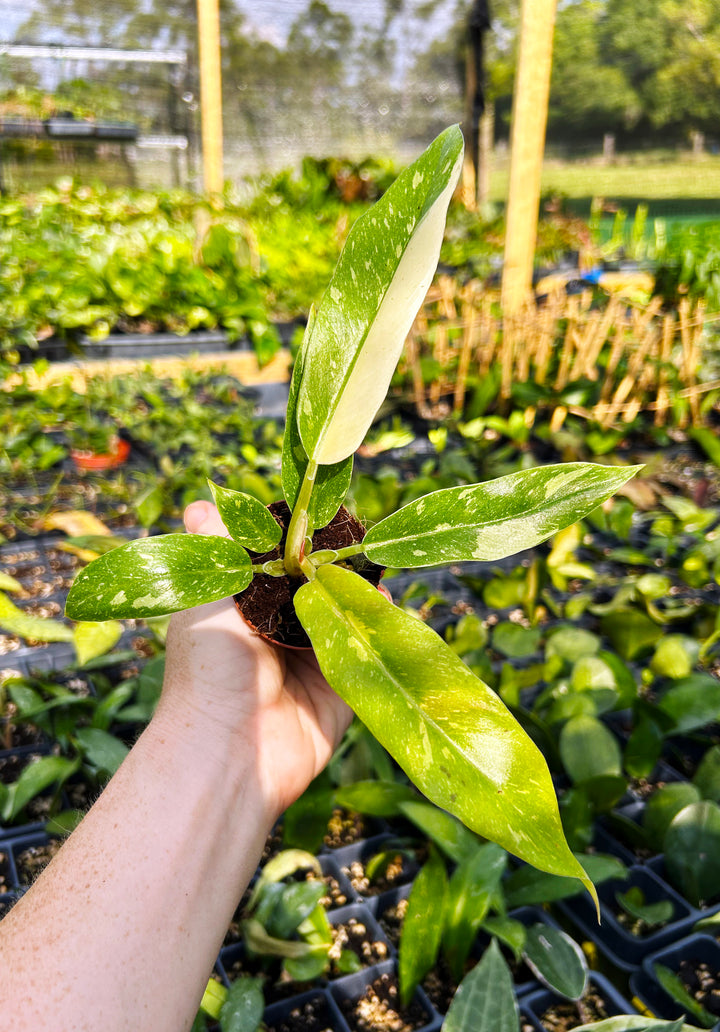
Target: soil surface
(34, 859)
(399, 871)
(567, 1014)
(391, 920)
(4, 872)
(267, 603)
(354, 935)
(379, 1010)
(6, 905)
(345, 828)
(311, 1016)
(703, 982)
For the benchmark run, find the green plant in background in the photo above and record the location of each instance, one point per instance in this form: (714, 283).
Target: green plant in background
(285, 920)
(89, 638)
(459, 744)
(82, 725)
(144, 267)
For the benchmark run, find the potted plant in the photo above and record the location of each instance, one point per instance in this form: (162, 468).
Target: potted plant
(97, 446)
(311, 562)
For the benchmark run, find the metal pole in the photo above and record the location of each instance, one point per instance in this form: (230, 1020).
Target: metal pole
(210, 95)
(529, 119)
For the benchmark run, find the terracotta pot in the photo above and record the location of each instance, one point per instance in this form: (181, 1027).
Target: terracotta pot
(89, 460)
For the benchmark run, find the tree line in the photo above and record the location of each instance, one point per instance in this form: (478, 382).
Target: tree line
(643, 70)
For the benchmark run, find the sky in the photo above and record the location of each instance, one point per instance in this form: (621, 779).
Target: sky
(271, 19)
(12, 13)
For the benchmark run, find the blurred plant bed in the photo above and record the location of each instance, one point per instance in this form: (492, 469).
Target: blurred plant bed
(591, 355)
(172, 262)
(84, 722)
(180, 431)
(158, 261)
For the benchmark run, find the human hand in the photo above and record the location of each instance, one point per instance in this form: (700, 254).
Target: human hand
(222, 678)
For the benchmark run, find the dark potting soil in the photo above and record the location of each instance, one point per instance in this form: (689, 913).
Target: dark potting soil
(344, 828)
(267, 604)
(311, 1016)
(273, 845)
(379, 1010)
(391, 920)
(33, 860)
(567, 1014)
(12, 735)
(12, 766)
(334, 896)
(4, 872)
(6, 906)
(354, 935)
(277, 986)
(440, 987)
(399, 871)
(703, 983)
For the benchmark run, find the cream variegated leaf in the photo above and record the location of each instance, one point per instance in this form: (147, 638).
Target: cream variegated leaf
(366, 313)
(492, 520)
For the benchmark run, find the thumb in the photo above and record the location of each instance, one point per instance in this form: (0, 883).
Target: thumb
(203, 518)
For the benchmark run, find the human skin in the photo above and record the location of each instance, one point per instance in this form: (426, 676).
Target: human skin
(121, 930)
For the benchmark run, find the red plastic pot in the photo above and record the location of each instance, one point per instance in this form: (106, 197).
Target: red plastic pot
(89, 460)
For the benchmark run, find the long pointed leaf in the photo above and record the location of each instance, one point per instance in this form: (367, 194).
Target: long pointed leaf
(493, 520)
(473, 885)
(366, 313)
(450, 733)
(331, 482)
(35, 778)
(159, 575)
(422, 926)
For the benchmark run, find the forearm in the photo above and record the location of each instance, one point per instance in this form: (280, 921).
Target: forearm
(121, 931)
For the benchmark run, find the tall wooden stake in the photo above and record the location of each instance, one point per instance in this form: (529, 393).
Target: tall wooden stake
(529, 119)
(210, 95)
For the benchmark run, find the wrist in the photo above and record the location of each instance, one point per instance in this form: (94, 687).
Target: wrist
(219, 760)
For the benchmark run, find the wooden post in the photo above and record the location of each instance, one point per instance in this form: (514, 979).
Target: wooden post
(210, 95)
(529, 118)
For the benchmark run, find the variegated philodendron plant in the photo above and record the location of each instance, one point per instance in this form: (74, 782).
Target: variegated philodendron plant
(448, 730)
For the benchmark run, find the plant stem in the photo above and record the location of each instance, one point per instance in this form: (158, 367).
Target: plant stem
(329, 555)
(295, 542)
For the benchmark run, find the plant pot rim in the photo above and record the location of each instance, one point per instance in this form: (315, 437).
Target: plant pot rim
(88, 459)
(284, 645)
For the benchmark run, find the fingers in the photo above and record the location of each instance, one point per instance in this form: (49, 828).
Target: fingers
(203, 518)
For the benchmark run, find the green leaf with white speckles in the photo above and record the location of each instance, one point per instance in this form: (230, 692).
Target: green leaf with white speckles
(159, 575)
(450, 733)
(331, 482)
(492, 520)
(384, 272)
(246, 519)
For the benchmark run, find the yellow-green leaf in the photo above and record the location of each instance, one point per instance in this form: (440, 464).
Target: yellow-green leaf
(95, 639)
(447, 729)
(36, 628)
(246, 519)
(492, 520)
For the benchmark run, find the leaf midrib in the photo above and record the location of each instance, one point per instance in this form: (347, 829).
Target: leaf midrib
(462, 526)
(340, 613)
